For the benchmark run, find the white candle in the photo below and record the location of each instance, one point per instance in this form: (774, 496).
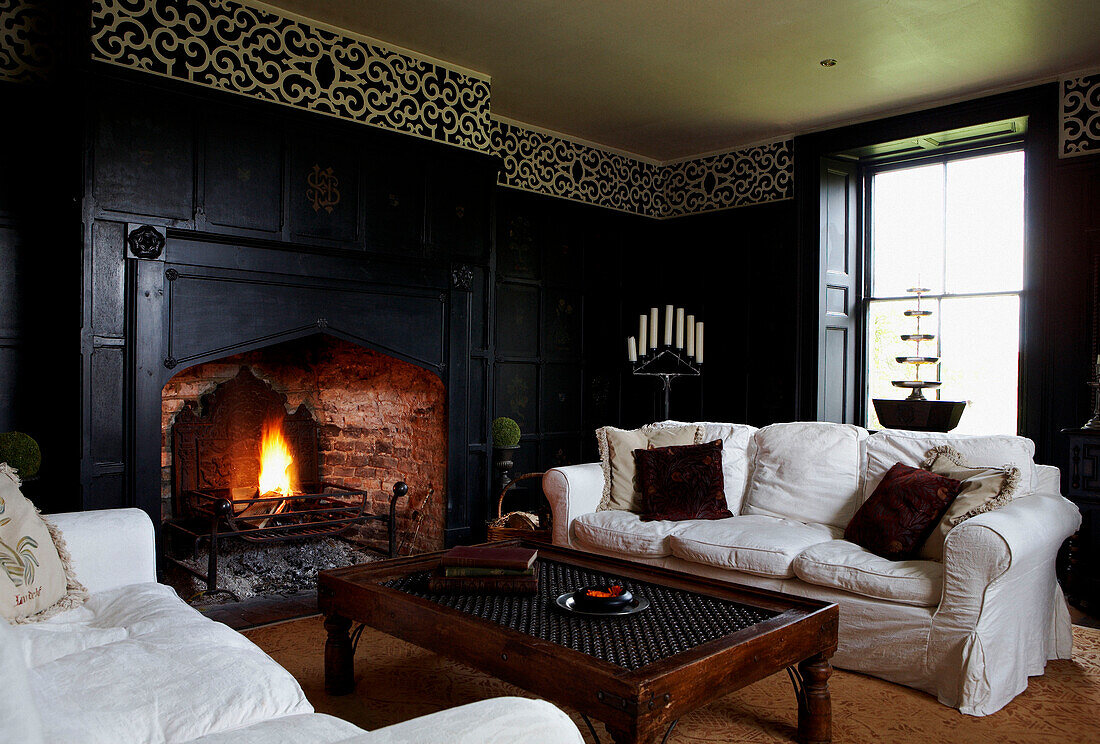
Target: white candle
(668, 325)
(679, 328)
(690, 347)
(652, 328)
(641, 334)
(631, 350)
(699, 342)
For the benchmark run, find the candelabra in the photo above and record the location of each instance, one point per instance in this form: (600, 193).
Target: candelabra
(1094, 383)
(681, 355)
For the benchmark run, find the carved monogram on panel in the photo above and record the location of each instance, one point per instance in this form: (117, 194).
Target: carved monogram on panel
(1080, 116)
(323, 190)
(231, 46)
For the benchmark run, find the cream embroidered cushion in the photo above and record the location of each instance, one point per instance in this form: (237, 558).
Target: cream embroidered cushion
(34, 581)
(984, 489)
(620, 488)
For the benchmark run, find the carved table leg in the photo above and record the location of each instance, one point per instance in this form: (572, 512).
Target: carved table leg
(339, 657)
(815, 709)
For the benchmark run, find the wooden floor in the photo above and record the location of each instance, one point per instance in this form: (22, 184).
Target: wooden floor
(257, 611)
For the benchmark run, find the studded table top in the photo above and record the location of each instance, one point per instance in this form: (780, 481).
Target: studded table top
(676, 621)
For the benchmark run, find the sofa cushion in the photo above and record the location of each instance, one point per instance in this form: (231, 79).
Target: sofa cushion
(840, 564)
(679, 483)
(307, 728)
(624, 532)
(983, 489)
(807, 471)
(885, 448)
(738, 449)
(616, 446)
(756, 544)
(902, 512)
(175, 676)
(19, 715)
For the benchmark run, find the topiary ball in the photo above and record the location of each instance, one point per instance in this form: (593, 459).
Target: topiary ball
(506, 432)
(21, 452)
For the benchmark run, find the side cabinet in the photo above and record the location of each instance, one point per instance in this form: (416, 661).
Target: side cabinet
(1083, 489)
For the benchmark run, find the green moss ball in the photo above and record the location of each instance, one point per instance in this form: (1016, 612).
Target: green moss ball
(21, 452)
(506, 432)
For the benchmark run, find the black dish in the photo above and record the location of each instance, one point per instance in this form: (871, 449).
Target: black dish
(605, 598)
(566, 603)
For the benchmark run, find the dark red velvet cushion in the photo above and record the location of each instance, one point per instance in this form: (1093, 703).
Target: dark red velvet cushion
(682, 482)
(902, 512)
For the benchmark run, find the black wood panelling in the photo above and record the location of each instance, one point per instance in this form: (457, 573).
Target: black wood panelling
(517, 393)
(263, 306)
(517, 320)
(144, 157)
(107, 409)
(108, 279)
(11, 365)
(242, 172)
(394, 201)
(12, 282)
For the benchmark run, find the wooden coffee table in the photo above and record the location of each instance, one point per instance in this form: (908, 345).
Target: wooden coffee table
(699, 639)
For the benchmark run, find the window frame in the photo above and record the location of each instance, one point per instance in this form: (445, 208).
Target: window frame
(868, 168)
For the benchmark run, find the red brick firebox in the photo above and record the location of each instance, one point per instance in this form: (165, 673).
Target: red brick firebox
(381, 420)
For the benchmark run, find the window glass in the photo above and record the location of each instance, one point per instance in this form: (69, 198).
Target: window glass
(985, 224)
(908, 230)
(955, 227)
(980, 343)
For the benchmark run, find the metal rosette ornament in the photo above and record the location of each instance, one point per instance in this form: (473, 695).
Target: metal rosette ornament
(917, 385)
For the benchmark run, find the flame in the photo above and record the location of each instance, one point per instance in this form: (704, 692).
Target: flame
(275, 461)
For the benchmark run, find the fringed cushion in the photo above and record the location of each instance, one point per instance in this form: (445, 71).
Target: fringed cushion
(36, 576)
(984, 489)
(620, 484)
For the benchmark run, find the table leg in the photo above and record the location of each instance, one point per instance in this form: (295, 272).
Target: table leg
(815, 709)
(339, 656)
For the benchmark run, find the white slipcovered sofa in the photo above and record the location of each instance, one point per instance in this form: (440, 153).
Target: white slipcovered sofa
(135, 664)
(969, 630)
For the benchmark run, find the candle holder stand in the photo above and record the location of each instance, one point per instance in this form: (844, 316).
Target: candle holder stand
(668, 364)
(1094, 383)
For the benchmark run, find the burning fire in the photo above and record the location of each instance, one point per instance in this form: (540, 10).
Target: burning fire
(275, 461)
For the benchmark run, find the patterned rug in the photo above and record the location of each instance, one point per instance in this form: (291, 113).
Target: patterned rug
(396, 681)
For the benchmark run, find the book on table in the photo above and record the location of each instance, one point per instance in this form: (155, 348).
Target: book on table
(483, 584)
(479, 571)
(486, 568)
(489, 556)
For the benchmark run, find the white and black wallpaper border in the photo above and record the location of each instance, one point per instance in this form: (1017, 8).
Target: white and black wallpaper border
(1080, 115)
(26, 52)
(250, 50)
(245, 47)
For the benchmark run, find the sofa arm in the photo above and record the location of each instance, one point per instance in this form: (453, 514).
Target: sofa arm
(503, 720)
(109, 547)
(1001, 615)
(572, 490)
(1017, 538)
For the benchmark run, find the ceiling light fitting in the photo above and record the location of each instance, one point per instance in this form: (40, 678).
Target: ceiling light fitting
(830, 62)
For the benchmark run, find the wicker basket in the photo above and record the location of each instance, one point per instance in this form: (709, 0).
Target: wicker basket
(498, 529)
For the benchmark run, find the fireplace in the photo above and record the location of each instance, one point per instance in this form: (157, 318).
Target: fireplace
(353, 424)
